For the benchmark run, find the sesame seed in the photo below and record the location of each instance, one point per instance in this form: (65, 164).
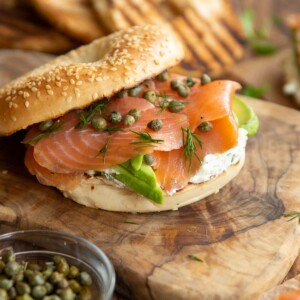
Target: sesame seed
(69, 99)
(79, 82)
(26, 103)
(50, 92)
(65, 87)
(14, 118)
(65, 94)
(38, 94)
(8, 98)
(15, 105)
(26, 95)
(48, 87)
(99, 79)
(58, 83)
(4, 172)
(10, 104)
(95, 96)
(72, 81)
(34, 89)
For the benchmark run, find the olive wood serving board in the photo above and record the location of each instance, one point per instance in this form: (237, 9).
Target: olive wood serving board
(246, 244)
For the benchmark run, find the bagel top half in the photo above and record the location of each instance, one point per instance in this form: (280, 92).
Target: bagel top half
(84, 75)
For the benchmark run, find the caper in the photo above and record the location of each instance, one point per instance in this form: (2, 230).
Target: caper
(45, 125)
(49, 287)
(28, 273)
(85, 278)
(84, 294)
(183, 91)
(150, 96)
(135, 113)
(175, 106)
(190, 81)
(155, 125)
(18, 277)
(164, 76)
(63, 283)
(205, 126)
(39, 291)
(99, 123)
(122, 94)
(6, 284)
(56, 277)
(205, 79)
(33, 267)
(129, 120)
(175, 84)
(23, 288)
(63, 267)
(74, 285)
(148, 159)
(115, 117)
(8, 256)
(12, 268)
(36, 279)
(3, 294)
(66, 294)
(73, 272)
(135, 91)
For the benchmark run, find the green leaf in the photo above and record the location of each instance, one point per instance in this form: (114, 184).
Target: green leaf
(255, 92)
(55, 127)
(263, 47)
(247, 18)
(194, 257)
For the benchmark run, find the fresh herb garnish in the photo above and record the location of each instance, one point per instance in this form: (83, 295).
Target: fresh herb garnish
(255, 92)
(131, 222)
(162, 104)
(194, 257)
(293, 215)
(87, 116)
(188, 139)
(112, 129)
(55, 127)
(145, 139)
(258, 37)
(103, 151)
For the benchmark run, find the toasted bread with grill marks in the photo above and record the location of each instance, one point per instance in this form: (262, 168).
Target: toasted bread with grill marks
(73, 17)
(212, 35)
(21, 28)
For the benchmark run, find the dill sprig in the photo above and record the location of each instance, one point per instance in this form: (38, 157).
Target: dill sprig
(87, 116)
(55, 127)
(164, 103)
(194, 257)
(103, 151)
(145, 139)
(293, 215)
(190, 141)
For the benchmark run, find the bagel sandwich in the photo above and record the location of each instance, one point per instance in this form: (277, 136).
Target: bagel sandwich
(112, 127)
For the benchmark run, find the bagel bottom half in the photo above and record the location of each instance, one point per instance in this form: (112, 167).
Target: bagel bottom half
(95, 192)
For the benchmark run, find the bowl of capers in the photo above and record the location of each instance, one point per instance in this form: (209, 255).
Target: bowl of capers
(53, 265)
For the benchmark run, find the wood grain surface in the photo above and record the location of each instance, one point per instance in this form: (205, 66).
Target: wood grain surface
(246, 244)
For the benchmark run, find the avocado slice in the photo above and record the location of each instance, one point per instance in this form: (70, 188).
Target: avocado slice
(136, 162)
(139, 184)
(246, 116)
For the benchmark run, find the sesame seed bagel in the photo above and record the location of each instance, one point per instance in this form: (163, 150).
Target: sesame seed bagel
(86, 74)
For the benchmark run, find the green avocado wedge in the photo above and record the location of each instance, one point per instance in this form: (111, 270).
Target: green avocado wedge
(245, 115)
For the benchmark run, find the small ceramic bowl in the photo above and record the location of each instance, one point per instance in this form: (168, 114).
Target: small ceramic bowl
(39, 246)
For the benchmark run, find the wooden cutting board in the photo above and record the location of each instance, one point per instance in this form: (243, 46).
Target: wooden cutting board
(246, 244)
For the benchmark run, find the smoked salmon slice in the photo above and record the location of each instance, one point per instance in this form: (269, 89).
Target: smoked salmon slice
(70, 151)
(172, 168)
(46, 177)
